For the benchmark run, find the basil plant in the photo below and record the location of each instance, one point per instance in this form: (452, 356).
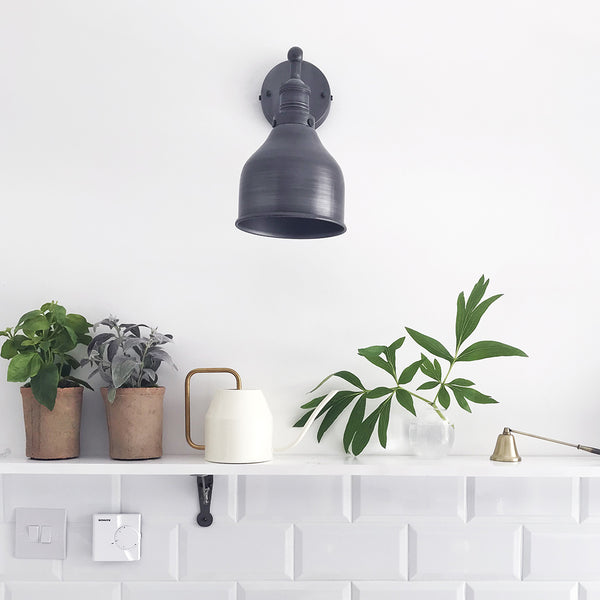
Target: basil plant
(39, 347)
(362, 421)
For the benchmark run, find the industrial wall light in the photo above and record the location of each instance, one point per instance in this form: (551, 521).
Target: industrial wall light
(291, 187)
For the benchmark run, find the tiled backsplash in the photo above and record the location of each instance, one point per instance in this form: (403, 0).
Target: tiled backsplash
(318, 538)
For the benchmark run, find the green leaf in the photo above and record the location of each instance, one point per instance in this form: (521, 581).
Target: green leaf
(427, 367)
(474, 317)
(430, 344)
(301, 422)
(364, 432)
(428, 385)
(460, 399)
(23, 366)
(372, 354)
(379, 392)
(78, 381)
(384, 421)
(28, 315)
(346, 375)
(9, 349)
(444, 397)
(408, 374)
(356, 418)
(390, 352)
(460, 317)
(111, 395)
(438, 370)
(477, 293)
(461, 382)
(313, 403)
(77, 323)
(34, 324)
(57, 312)
(488, 349)
(405, 400)
(44, 386)
(477, 397)
(332, 414)
(121, 371)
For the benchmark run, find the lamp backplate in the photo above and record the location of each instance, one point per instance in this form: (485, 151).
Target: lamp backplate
(320, 97)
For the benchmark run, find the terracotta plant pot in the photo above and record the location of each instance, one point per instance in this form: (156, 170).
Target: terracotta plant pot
(135, 423)
(52, 434)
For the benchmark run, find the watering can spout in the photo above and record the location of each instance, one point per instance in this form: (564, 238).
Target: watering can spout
(307, 425)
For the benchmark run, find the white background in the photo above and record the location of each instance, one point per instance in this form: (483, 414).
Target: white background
(468, 136)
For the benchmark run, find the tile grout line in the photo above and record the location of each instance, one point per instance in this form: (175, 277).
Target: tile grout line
(348, 489)
(576, 499)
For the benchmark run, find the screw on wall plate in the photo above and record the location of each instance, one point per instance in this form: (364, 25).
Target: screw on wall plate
(268, 93)
(323, 95)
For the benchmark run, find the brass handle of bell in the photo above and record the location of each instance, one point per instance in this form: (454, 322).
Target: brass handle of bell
(506, 448)
(188, 378)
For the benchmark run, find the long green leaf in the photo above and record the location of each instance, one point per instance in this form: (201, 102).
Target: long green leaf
(44, 386)
(332, 414)
(372, 354)
(474, 317)
(346, 375)
(461, 382)
(408, 374)
(384, 421)
(477, 293)
(460, 317)
(390, 352)
(356, 418)
(379, 392)
(364, 432)
(460, 399)
(477, 397)
(438, 370)
(430, 344)
(488, 349)
(428, 385)
(444, 397)
(301, 422)
(313, 403)
(405, 399)
(427, 367)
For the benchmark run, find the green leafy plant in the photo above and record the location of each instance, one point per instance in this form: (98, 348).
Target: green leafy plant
(360, 428)
(124, 358)
(38, 349)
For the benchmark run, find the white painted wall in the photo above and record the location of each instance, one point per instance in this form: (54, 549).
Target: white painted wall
(468, 135)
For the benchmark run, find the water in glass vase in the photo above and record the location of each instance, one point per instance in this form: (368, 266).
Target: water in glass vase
(431, 435)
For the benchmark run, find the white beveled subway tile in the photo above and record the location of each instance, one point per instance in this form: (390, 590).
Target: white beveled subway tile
(590, 499)
(296, 590)
(457, 552)
(383, 497)
(175, 497)
(351, 551)
(63, 591)
(527, 498)
(21, 569)
(81, 495)
(522, 590)
(561, 552)
(590, 591)
(415, 590)
(293, 499)
(244, 551)
(158, 561)
(179, 591)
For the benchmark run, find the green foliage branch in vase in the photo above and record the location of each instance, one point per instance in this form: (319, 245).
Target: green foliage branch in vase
(360, 428)
(38, 348)
(124, 357)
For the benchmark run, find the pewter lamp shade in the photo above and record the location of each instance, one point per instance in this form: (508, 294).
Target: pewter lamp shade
(291, 187)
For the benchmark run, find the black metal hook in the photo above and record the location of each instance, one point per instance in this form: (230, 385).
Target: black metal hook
(205, 488)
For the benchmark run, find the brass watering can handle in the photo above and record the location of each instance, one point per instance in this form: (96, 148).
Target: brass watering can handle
(188, 425)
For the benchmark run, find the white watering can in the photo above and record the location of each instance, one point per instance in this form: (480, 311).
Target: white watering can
(238, 427)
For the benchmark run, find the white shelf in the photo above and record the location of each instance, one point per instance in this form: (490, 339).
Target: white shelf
(580, 465)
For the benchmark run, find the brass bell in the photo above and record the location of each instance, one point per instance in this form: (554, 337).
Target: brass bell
(506, 448)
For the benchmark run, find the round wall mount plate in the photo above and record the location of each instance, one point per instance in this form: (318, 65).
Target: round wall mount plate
(320, 96)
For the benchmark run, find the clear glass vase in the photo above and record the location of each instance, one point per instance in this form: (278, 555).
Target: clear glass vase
(431, 435)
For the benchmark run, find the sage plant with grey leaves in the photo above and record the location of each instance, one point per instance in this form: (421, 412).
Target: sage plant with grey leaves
(125, 358)
(363, 420)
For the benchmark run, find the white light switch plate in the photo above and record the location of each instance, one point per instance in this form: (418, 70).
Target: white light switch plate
(117, 537)
(41, 533)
